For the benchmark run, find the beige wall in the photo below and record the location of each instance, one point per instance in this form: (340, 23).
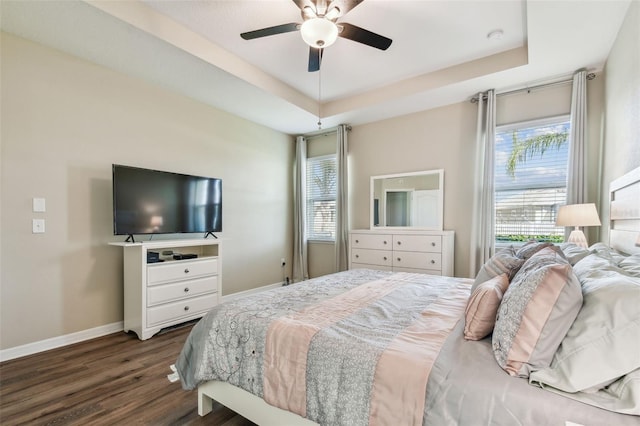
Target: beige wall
(441, 138)
(64, 122)
(444, 138)
(622, 108)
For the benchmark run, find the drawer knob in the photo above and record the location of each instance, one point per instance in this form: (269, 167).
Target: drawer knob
(433, 261)
(186, 308)
(186, 289)
(186, 270)
(399, 242)
(399, 259)
(384, 242)
(357, 241)
(433, 244)
(357, 256)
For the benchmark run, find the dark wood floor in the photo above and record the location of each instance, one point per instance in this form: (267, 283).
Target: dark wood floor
(112, 380)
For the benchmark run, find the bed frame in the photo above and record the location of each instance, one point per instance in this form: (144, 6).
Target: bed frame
(624, 235)
(624, 214)
(246, 404)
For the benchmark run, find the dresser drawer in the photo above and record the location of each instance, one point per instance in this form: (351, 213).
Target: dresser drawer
(424, 243)
(417, 260)
(372, 257)
(371, 241)
(184, 308)
(169, 292)
(371, 266)
(419, 271)
(178, 270)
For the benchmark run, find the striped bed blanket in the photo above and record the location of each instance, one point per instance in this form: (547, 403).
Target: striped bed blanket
(352, 348)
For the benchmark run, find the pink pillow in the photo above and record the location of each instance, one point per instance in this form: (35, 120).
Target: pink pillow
(482, 307)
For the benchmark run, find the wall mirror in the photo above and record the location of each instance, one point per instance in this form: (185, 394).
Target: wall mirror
(408, 200)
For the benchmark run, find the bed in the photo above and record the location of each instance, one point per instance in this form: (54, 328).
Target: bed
(373, 347)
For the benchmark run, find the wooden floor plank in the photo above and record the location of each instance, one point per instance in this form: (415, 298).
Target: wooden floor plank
(112, 380)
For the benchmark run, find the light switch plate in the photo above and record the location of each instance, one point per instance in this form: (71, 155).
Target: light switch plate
(39, 205)
(38, 226)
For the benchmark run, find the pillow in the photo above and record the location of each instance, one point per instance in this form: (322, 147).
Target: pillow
(504, 261)
(574, 253)
(602, 344)
(631, 265)
(531, 248)
(481, 310)
(607, 252)
(621, 396)
(595, 265)
(536, 312)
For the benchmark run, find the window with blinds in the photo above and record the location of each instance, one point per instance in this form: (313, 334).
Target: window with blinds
(321, 198)
(531, 161)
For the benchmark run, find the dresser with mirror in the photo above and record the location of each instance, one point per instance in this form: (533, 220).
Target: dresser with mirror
(406, 226)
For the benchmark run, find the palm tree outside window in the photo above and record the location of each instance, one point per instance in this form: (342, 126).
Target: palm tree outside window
(531, 161)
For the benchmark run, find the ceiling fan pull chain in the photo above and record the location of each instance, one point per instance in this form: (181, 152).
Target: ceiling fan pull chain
(319, 97)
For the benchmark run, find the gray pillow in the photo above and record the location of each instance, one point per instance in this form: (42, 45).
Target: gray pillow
(574, 253)
(631, 265)
(503, 262)
(538, 308)
(530, 248)
(603, 343)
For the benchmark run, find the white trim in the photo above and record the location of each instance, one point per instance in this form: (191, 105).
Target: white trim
(538, 122)
(240, 294)
(92, 333)
(56, 342)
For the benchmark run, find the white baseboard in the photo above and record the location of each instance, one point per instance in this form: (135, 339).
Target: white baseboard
(240, 294)
(56, 342)
(80, 336)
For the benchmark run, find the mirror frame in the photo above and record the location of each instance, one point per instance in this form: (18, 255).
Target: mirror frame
(440, 220)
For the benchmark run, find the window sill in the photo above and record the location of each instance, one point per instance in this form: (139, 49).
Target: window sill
(321, 241)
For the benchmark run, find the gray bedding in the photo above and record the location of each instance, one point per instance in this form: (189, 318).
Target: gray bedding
(466, 386)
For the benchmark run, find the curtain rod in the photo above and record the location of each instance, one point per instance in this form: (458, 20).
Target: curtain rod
(325, 132)
(590, 76)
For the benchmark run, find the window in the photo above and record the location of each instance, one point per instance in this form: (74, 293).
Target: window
(531, 179)
(321, 198)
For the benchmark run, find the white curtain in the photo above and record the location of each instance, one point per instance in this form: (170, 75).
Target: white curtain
(342, 200)
(577, 168)
(300, 263)
(483, 213)
(577, 173)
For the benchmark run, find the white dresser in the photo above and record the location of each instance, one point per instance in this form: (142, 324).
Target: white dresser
(428, 252)
(162, 294)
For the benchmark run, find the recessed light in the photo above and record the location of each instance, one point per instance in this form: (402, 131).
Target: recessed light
(495, 35)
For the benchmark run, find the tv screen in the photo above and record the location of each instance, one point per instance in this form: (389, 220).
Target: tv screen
(156, 202)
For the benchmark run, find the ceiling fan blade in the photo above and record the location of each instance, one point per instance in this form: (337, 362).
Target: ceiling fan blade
(264, 32)
(315, 58)
(363, 36)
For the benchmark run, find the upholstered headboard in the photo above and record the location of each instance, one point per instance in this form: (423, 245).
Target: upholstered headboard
(624, 193)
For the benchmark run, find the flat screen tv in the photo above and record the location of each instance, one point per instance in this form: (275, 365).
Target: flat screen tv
(155, 202)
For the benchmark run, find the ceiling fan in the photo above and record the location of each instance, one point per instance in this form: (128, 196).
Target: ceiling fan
(319, 28)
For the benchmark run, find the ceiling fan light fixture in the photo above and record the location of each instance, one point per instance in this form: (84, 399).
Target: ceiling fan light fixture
(319, 32)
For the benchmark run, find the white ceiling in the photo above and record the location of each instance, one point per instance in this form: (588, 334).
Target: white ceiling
(440, 52)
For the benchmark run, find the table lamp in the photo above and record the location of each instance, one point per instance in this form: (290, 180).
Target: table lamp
(578, 215)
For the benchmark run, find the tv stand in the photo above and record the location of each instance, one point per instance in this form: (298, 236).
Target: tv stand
(210, 233)
(163, 294)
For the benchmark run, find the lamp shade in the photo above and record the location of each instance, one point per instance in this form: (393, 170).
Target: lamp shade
(319, 32)
(578, 215)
